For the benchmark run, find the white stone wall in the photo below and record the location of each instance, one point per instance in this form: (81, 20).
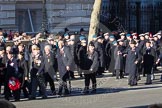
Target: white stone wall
(72, 14)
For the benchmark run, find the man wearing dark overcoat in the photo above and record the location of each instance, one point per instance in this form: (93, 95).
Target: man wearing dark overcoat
(149, 58)
(64, 58)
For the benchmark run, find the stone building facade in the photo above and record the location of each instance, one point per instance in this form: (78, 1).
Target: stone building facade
(26, 15)
(7, 14)
(72, 14)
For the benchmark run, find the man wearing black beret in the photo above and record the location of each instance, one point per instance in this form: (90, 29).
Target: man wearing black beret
(132, 59)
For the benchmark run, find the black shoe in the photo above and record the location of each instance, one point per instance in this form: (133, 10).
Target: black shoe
(72, 78)
(32, 98)
(66, 92)
(100, 74)
(81, 76)
(133, 84)
(148, 83)
(60, 90)
(7, 99)
(138, 79)
(113, 75)
(85, 92)
(54, 93)
(122, 76)
(59, 94)
(93, 91)
(17, 100)
(26, 96)
(44, 97)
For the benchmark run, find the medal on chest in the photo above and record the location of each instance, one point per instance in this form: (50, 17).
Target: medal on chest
(12, 64)
(39, 62)
(64, 55)
(135, 53)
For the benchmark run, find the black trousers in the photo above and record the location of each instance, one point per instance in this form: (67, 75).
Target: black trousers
(63, 84)
(2, 79)
(38, 81)
(107, 62)
(119, 73)
(79, 70)
(1, 83)
(100, 70)
(132, 80)
(71, 74)
(25, 89)
(92, 77)
(50, 80)
(148, 79)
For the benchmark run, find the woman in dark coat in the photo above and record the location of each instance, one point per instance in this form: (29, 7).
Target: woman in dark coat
(132, 59)
(81, 55)
(90, 69)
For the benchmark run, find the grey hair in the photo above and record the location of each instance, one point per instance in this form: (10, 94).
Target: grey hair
(48, 46)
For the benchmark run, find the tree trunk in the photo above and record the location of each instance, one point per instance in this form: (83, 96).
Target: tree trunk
(95, 19)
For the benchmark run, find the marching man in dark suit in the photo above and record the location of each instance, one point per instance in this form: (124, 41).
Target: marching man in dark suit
(37, 78)
(49, 62)
(64, 59)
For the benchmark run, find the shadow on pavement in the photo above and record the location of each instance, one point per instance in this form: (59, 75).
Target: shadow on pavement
(145, 106)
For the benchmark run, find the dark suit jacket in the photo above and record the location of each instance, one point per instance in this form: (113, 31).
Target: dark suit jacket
(22, 66)
(37, 68)
(91, 62)
(67, 56)
(100, 49)
(48, 64)
(64, 60)
(12, 68)
(149, 58)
